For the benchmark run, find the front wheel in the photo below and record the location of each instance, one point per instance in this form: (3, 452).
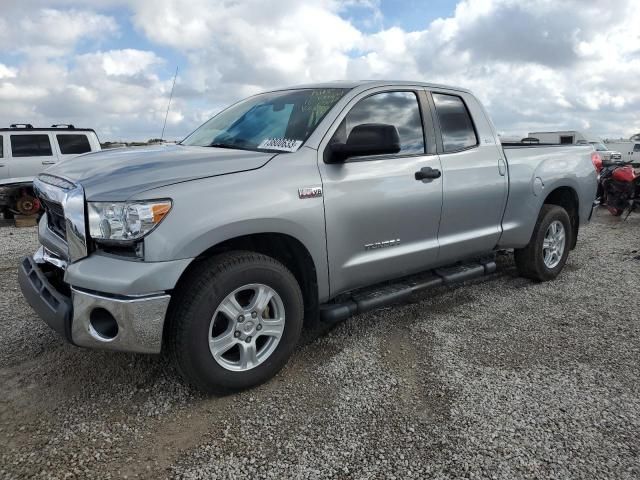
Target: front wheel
(545, 255)
(234, 321)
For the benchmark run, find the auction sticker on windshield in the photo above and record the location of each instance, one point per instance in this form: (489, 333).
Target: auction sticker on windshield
(284, 144)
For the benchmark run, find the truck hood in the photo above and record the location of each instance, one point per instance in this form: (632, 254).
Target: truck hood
(116, 175)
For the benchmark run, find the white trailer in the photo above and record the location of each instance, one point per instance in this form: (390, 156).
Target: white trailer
(564, 137)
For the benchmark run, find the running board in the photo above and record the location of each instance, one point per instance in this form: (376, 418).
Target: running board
(376, 297)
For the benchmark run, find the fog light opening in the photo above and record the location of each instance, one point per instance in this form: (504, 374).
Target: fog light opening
(102, 324)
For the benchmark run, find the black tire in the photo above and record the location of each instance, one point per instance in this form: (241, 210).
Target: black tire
(196, 300)
(530, 259)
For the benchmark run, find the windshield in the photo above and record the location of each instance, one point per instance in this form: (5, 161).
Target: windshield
(279, 121)
(599, 146)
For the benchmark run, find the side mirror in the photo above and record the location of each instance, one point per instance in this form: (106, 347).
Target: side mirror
(366, 139)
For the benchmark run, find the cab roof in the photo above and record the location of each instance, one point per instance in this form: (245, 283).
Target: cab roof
(365, 84)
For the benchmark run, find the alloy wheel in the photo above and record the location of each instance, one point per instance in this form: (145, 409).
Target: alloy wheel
(246, 327)
(554, 244)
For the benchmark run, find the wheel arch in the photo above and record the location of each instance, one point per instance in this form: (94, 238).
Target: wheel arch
(567, 197)
(285, 248)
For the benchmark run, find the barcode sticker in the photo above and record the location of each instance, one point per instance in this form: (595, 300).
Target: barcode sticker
(284, 144)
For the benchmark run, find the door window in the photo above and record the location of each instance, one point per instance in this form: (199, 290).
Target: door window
(1, 147)
(73, 144)
(399, 109)
(456, 125)
(30, 146)
(636, 147)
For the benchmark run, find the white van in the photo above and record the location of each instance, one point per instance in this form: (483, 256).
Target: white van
(25, 151)
(629, 149)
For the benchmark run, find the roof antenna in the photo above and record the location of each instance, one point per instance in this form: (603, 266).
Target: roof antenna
(169, 105)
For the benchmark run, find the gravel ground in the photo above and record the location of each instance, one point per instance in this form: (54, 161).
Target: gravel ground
(498, 378)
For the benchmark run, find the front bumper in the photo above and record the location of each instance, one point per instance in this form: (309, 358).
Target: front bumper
(80, 316)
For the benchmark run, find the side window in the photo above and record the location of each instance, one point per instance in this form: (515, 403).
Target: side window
(636, 147)
(1, 147)
(399, 109)
(73, 144)
(30, 146)
(455, 123)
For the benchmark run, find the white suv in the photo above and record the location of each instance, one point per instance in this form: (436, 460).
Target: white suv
(26, 151)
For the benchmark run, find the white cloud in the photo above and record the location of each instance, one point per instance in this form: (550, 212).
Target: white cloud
(536, 64)
(7, 72)
(48, 32)
(127, 62)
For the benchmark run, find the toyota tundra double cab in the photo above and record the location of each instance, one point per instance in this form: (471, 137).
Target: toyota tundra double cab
(311, 203)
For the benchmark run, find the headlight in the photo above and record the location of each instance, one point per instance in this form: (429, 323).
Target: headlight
(125, 221)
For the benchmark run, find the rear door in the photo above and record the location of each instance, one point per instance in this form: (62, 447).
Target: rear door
(4, 164)
(474, 173)
(381, 222)
(31, 153)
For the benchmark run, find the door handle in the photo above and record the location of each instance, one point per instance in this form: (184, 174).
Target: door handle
(428, 173)
(502, 166)
(48, 162)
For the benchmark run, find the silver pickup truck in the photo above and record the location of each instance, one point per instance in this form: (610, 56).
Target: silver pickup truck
(310, 203)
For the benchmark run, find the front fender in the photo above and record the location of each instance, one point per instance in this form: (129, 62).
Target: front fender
(209, 211)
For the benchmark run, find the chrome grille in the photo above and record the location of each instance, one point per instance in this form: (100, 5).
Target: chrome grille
(65, 209)
(55, 217)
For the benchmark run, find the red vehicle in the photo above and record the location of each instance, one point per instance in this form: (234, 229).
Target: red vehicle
(618, 186)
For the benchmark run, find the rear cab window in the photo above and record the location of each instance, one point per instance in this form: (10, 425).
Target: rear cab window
(32, 145)
(73, 144)
(456, 126)
(398, 108)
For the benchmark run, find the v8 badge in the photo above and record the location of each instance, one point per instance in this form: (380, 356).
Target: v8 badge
(309, 192)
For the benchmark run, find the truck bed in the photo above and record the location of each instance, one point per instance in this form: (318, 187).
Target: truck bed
(539, 169)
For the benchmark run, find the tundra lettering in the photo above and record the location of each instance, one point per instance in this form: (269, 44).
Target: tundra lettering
(385, 244)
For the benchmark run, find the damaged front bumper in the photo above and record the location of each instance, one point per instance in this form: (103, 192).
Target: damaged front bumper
(88, 318)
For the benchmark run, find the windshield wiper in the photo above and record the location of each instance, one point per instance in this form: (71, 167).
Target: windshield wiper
(231, 146)
(226, 145)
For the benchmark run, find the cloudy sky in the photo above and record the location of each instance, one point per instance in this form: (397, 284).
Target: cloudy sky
(109, 64)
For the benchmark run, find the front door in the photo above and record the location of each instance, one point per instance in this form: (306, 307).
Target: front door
(474, 174)
(31, 153)
(381, 222)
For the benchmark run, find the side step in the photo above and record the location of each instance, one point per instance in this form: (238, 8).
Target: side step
(376, 297)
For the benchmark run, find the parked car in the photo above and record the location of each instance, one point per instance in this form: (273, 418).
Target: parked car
(26, 151)
(315, 202)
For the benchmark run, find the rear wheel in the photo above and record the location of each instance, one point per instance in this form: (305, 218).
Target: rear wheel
(234, 321)
(546, 254)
